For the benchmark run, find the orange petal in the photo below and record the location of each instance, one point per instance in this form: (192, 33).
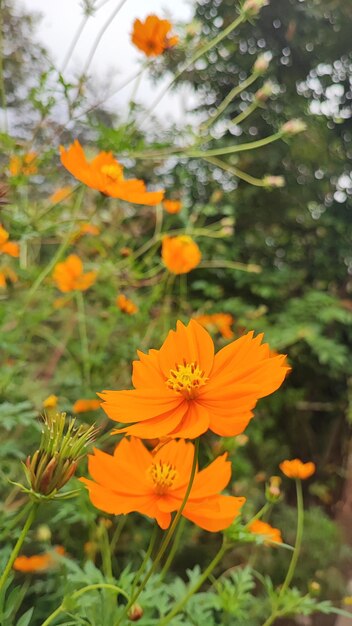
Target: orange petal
(215, 514)
(212, 479)
(140, 404)
(194, 423)
(156, 427)
(192, 343)
(147, 370)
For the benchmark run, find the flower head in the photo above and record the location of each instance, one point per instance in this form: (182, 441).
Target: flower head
(297, 469)
(220, 322)
(83, 406)
(262, 528)
(50, 402)
(183, 389)
(61, 194)
(8, 247)
(38, 562)
(153, 36)
(25, 165)
(172, 206)
(69, 275)
(293, 127)
(135, 479)
(180, 254)
(105, 174)
(125, 305)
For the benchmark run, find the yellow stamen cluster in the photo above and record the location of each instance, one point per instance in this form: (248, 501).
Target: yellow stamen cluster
(115, 172)
(163, 476)
(186, 379)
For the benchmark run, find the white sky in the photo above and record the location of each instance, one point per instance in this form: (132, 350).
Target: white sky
(115, 57)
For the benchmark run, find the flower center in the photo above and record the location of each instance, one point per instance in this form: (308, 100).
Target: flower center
(186, 379)
(163, 476)
(114, 172)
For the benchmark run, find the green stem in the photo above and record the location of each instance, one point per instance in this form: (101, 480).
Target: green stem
(299, 535)
(257, 182)
(77, 594)
(82, 324)
(203, 50)
(179, 606)
(168, 536)
(230, 96)
(101, 34)
(158, 222)
(260, 513)
(145, 560)
(246, 113)
(242, 147)
(117, 533)
(173, 550)
(2, 78)
(19, 543)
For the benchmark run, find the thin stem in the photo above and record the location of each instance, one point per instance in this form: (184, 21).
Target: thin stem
(145, 560)
(158, 221)
(29, 521)
(242, 147)
(2, 78)
(169, 534)
(260, 514)
(174, 547)
(101, 34)
(232, 265)
(230, 96)
(245, 113)
(74, 41)
(298, 542)
(82, 324)
(77, 594)
(203, 50)
(117, 533)
(179, 606)
(257, 182)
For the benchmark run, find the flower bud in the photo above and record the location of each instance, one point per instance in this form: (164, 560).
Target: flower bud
(273, 182)
(62, 445)
(293, 127)
(262, 63)
(135, 613)
(265, 91)
(314, 588)
(43, 533)
(252, 7)
(272, 489)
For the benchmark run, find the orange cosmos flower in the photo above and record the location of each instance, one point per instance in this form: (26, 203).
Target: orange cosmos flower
(152, 36)
(60, 194)
(125, 305)
(297, 469)
(221, 322)
(134, 479)
(182, 389)
(23, 164)
(69, 275)
(105, 174)
(6, 246)
(180, 254)
(83, 406)
(172, 206)
(50, 402)
(262, 528)
(38, 562)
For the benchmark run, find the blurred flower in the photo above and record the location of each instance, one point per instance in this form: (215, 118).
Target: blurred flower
(220, 322)
(61, 447)
(297, 469)
(7, 274)
(172, 206)
(293, 127)
(60, 194)
(265, 91)
(69, 275)
(314, 588)
(105, 174)
(125, 305)
(180, 254)
(152, 36)
(135, 613)
(24, 165)
(262, 63)
(134, 479)
(88, 229)
(272, 490)
(43, 533)
(6, 246)
(252, 7)
(83, 406)
(50, 402)
(274, 181)
(125, 251)
(182, 389)
(262, 528)
(38, 562)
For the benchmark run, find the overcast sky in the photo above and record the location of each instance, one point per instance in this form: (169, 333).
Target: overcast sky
(115, 57)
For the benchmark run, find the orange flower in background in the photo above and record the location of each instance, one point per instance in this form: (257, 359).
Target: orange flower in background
(297, 469)
(69, 275)
(134, 479)
(6, 246)
(50, 402)
(38, 562)
(83, 406)
(25, 164)
(183, 389)
(220, 322)
(7, 274)
(152, 36)
(60, 194)
(105, 174)
(125, 305)
(262, 528)
(180, 254)
(172, 206)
